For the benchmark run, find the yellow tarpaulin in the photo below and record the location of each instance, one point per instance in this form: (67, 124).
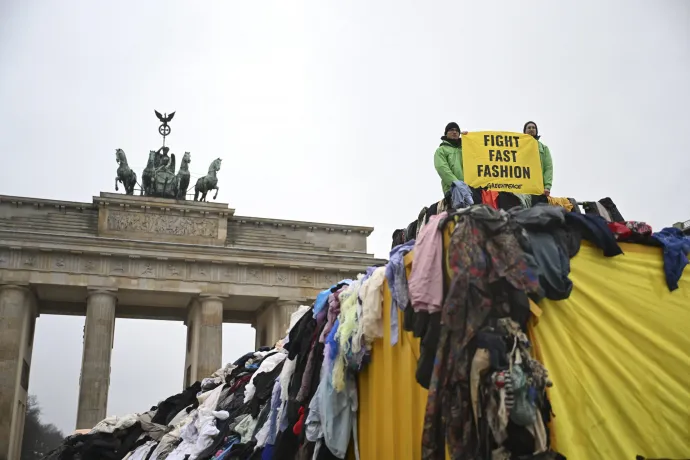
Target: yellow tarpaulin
(618, 352)
(391, 402)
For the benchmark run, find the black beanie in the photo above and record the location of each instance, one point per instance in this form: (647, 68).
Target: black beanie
(450, 126)
(524, 128)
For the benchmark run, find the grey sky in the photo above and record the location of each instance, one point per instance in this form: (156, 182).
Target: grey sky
(327, 111)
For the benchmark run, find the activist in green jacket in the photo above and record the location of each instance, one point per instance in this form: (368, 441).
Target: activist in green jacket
(544, 156)
(448, 157)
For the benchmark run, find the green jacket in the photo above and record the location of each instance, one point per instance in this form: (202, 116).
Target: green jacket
(448, 164)
(546, 165)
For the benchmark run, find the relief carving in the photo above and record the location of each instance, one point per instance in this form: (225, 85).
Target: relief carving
(230, 273)
(254, 275)
(199, 271)
(329, 279)
(173, 270)
(306, 279)
(148, 269)
(89, 265)
(156, 223)
(281, 277)
(4, 259)
(30, 260)
(118, 267)
(60, 262)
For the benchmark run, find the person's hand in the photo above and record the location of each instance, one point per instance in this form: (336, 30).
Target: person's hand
(463, 132)
(547, 192)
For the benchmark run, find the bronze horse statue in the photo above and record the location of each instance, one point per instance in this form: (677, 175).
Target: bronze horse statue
(125, 175)
(182, 177)
(208, 182)
(147, 176)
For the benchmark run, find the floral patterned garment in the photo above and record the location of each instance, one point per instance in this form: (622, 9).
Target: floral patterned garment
(483, 250)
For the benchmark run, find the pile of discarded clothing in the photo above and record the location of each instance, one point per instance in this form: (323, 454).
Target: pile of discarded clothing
(601, 223)
(298, 400)
(461, 196)
(469, 302)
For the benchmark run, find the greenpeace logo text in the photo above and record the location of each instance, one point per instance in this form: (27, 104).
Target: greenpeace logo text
(492, 186)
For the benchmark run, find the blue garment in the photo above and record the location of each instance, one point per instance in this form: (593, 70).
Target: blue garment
(332, 415)
(397, 284)
(367, 274)
(321, 300)
(322, 297)
(273, 415)
(267, 453)
(330, 340)
(596, 230)
(676, 249)
(461, 195)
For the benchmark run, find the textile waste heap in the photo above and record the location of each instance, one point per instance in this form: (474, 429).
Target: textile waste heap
(297, 400)
(477, 273)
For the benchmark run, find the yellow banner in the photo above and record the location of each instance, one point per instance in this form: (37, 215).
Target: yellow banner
(502, 161)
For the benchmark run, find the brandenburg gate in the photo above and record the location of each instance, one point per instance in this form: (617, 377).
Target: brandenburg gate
(152, 256)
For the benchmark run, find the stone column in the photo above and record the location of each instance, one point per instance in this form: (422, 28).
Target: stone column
(204, 338)
(18, 311)
(272, 323)
(99, 331)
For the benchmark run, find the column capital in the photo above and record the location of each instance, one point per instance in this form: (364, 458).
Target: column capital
(15, 286)
(25, 291)
(290, 302)
(92, 290)
(218, 297)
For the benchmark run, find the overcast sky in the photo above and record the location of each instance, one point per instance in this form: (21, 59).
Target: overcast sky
(327, 111)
